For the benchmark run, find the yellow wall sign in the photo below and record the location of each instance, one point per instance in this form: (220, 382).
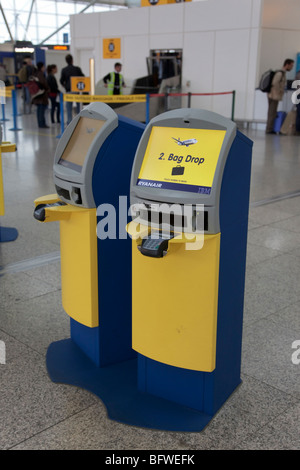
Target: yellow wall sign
(80, 84)
(181, 159)
(148, 3)
(105, 98)
(112, 48)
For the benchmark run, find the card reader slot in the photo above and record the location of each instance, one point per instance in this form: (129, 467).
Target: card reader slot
(63, 192)
(155, 247)
(40, 210)
(176, 221)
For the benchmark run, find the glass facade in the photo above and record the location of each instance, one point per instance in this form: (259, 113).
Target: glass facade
(36, 20)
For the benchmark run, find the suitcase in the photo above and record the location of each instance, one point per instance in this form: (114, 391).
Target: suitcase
(289, 125)
(178, 170)
(281, 115)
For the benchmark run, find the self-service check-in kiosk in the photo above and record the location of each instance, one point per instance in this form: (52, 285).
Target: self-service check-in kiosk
(7, 234)
(92, 166)
(190, 198)
(156, 317)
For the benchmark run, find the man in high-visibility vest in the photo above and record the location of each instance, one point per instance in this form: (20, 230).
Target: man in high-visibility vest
(114, 81)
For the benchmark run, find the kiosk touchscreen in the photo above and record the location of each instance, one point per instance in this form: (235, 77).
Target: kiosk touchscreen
(92, 166)
(77, 153)
(190, 197)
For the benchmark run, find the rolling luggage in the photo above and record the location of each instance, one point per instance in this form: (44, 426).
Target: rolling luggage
(289, 125)
(279, 121)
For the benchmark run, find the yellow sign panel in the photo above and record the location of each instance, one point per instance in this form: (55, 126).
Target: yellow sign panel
(105, 98)
(80, 84)
(6, 91)
(148, 3)
(112, 48)
(181, 159)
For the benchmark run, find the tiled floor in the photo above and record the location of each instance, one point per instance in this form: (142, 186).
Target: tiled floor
(263, 413)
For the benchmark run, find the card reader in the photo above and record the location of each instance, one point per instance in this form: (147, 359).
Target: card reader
(40, 213)
(155, 247)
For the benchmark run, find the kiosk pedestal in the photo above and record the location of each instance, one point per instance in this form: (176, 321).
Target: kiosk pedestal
(7, 234)
(182, 280)
(92, 166)
(187, 302)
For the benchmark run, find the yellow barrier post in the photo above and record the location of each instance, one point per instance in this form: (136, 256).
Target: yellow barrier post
(7, 234)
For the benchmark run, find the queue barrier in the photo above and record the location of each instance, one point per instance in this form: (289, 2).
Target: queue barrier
(9, 92)
(137, 98)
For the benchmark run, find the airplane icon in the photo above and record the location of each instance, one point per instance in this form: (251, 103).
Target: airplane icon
(185, 142)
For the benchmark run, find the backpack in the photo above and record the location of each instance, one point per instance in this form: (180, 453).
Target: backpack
(265, 82)
(22, 74)
(34, 87)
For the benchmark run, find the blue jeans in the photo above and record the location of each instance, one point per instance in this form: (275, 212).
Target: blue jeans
(69, 106)
(55, 107)
(41, 109)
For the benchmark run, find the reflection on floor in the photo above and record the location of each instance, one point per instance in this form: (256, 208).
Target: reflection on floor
(36, 414)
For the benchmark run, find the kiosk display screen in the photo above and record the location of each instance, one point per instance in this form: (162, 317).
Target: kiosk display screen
(181, 159)
(74, 154)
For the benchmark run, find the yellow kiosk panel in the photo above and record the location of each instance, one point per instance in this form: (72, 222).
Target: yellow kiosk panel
(185, 162)
(2, 209)
(175, 319)
(79, 265)
(79, 279)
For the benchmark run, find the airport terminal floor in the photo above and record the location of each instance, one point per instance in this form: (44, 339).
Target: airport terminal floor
(36, 414)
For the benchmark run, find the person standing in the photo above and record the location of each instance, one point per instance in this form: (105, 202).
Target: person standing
(114, 81)
(41, 101)
(65, 79)
(53, 93)
(276, 93)
(26, 71)
(298, 105)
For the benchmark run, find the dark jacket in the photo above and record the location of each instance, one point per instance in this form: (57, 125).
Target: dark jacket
(42, 99)
(52, 83)
(67, 72)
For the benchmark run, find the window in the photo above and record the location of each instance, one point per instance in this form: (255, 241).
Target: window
(36, 20)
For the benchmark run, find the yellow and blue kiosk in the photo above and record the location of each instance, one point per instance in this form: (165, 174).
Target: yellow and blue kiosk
(190, 189)
(92, 166)
(158, 333)
(7, 234)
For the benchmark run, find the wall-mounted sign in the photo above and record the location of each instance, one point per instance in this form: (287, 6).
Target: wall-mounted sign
(24, 50)
(112, 48)
(148, 3)
(60, 48)
(80, 84)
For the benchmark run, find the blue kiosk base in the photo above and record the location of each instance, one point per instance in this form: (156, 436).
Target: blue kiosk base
(8, 234)
(116, 386)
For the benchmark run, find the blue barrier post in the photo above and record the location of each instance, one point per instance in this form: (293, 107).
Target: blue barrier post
(147, 108)
(62, 118)
(15, 112)
(3, 113)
